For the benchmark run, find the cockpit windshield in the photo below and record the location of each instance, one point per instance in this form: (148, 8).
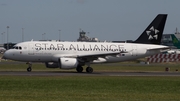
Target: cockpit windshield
(17, 47)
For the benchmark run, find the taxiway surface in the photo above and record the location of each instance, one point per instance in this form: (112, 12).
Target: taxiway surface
(50, 73)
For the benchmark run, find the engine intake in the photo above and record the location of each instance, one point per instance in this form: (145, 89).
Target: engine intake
(51, 65)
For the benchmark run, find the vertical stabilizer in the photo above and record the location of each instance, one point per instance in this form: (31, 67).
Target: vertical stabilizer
(175, 41)
(153, 33)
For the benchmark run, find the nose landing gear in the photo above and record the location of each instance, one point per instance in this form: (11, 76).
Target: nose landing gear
(29, 69)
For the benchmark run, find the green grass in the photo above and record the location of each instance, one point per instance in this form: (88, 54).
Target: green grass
(53, 88)
(96, 88)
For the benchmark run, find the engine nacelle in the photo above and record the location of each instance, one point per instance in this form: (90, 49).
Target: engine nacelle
(68, 63)
(63, 63)
(52, 65)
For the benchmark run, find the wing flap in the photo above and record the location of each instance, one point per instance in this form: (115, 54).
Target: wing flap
(162, 49)
(102, 54)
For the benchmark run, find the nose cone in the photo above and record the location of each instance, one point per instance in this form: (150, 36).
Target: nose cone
(7, 54)
(4, 55)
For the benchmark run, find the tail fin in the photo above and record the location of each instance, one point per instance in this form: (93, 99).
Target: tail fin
(175, 41)
(153, 33)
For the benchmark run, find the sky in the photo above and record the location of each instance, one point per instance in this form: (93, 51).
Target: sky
(111, 20)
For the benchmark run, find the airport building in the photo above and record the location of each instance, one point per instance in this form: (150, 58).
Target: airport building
(1, 45)
(85, 38)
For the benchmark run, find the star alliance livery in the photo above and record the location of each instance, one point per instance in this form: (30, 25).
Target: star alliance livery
(70, 55)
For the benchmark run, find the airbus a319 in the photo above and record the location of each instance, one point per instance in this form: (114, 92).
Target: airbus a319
(71, 55)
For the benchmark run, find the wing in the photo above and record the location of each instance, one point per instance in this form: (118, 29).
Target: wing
(162, 49)
(91, 57)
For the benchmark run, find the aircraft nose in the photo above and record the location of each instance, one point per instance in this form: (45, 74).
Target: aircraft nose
(7, 54)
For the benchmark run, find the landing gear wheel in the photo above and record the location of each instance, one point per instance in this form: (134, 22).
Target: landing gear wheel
(89, 70)
(79, 69)
(29, 69)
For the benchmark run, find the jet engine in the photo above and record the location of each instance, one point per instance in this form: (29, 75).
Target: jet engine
(51, 65)
(63, 63)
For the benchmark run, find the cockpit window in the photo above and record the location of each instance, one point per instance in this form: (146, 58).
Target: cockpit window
(17, 47)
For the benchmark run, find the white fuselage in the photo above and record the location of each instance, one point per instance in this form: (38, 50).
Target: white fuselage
(47, 51)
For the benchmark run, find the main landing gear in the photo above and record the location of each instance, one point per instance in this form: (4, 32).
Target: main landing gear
(79, 69)
(88, 69)
(29, 69)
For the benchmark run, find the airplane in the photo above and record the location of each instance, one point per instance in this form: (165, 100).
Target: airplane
(74, 55)
(175, 41)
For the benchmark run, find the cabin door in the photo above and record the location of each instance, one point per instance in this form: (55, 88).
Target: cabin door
(31, 49)
(134, 50)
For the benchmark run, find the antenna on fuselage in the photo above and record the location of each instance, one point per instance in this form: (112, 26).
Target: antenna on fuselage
(31, 39)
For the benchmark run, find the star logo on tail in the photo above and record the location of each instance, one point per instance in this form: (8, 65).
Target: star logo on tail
(152, 33)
